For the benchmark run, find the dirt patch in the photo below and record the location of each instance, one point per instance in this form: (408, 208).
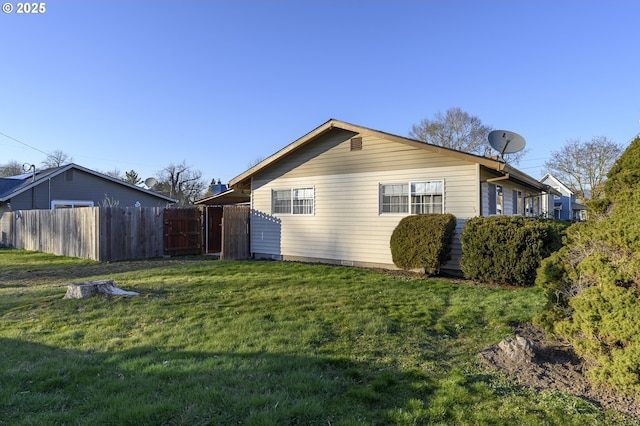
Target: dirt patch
(554, 366)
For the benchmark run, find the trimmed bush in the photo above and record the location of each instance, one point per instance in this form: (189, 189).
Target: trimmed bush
(507, 249)
(592, 284)
(423, 241)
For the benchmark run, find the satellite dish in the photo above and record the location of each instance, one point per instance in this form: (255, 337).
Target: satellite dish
(150, 182)
(506, 142)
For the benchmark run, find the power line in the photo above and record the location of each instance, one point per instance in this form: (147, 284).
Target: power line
(25, 144)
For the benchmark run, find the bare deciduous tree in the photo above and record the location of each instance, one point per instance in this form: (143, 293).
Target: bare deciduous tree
(255, 162)
(114, 173)
(11, 168)
(182, 182)
(57, 158)
(583, 166)
(457, 130)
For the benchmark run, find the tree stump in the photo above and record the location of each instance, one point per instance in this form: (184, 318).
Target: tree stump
(87, 289)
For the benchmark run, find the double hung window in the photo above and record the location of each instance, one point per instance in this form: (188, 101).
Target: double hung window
(426, 197)
(302, 200)
(293, 201)
(413, 197)
(395, 198)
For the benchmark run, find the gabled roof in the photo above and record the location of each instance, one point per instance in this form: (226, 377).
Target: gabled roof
(490, 163)
(15, 185)
(8, 184)
(556, 183)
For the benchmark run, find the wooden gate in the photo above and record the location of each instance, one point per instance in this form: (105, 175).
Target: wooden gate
(212, 218)
(235, 233)
(182, 231)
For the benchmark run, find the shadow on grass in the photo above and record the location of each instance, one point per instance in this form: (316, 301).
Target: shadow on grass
(43, 384)
(146, 385)
(48, 385)
(21, 276)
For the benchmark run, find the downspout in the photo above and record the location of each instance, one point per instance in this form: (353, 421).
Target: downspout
(206, 229)
(33, 187)
(479, 197)
(251, 254)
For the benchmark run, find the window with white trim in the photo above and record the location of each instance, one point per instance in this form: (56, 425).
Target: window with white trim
(293, 201)
(415, 197)
(67, 204)
(302, 200)
(426, 197)
(394, 198)
(281, 201)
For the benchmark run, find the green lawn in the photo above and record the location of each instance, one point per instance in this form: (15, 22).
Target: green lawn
(259, 343)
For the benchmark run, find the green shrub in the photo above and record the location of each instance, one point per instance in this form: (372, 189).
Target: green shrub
(423, 241)
(605, 329)
(507, 249)
(592, 284)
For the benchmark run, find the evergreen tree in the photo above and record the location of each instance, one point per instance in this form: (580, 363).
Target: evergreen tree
(593, 283)
(132, 177)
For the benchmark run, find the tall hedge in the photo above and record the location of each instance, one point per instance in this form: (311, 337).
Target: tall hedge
(593, 283)
(507, 249)
(423, 241)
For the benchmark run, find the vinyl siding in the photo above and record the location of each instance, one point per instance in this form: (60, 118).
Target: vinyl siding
(346, 225)
(508, 187)
(82, 187)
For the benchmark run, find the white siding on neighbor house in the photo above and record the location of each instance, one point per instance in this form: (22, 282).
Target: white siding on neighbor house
(347, 225)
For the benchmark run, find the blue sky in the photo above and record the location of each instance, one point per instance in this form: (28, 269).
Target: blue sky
(142, 84)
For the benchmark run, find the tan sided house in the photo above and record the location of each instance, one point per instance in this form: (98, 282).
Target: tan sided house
(336, 194)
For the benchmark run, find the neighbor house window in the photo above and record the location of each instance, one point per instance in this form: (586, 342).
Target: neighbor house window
(499, 199)
(528, 205)
(293, 201)
(532, 205)
(414, 197)
(66, 204)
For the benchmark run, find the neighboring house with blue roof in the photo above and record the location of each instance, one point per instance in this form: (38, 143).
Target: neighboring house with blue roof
(69, 186)
(565, 206)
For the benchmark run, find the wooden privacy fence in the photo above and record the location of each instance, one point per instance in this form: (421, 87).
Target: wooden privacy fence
(182, 231)
(98, 233)
(118, 233)
(235, 233)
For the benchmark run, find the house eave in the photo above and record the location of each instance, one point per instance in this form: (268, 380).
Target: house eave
(40, 179)
(228, 197)
(243, 179)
